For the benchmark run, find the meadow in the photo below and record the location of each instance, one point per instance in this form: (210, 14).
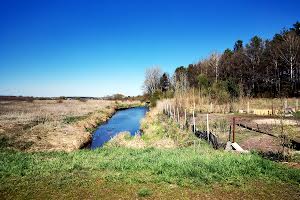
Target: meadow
(53, 125)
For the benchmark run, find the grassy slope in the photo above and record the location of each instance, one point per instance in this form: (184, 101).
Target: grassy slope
(123, 172)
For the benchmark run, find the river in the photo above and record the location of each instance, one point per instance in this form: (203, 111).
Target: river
(123, 120)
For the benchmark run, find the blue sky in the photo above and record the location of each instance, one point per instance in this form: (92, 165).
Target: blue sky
(97, 48)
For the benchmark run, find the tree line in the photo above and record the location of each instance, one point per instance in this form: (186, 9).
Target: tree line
(260, 68)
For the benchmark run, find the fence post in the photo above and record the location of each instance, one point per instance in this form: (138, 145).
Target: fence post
(297, 105)
(272, 107)
(178, 116)
(229, 137)
(207, 127)
(185, 118)
(174, 113)
(194, 122)
(285, 105)
(233, 129)
(248, 107)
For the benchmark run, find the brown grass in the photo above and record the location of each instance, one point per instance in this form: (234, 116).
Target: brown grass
(50, 125)
(192, 99)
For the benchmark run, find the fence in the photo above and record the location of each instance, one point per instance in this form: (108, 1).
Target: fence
(186, 119)
(182, 119)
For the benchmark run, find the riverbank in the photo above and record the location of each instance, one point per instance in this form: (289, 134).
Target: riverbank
(50, 125)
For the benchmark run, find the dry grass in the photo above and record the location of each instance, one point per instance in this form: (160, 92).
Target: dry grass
(192, 99)
(51, 125)
(124, 139)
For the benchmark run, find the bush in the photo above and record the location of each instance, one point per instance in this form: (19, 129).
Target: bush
(154, 97)
(219, 92)
(297, 114)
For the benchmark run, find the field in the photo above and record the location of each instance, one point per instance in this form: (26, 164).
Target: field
(271, 124)
(166, 162)
(53, 125)
(108, 173)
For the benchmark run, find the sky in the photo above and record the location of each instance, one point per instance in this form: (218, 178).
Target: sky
(98, 48)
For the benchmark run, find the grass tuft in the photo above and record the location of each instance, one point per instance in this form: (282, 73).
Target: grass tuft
(144, 192)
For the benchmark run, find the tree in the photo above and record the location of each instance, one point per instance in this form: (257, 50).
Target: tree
(203, 81)
(165, 82)
(296, 28)
(289, 52)
(238, 45)
(180, 80)
(179, 71)
(152, 80)
(225, 64)
(213, 61)
(254, 51)
(192, 72)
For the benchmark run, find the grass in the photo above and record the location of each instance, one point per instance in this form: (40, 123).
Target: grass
(21, 172)
(184, 171)
(73, 119)
(144, 192)
(49, 125)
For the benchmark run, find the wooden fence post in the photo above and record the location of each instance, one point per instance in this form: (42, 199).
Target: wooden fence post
(185, 118)
(272, 107)
(248, 107)
(285, 105)
(207, 127)
(178, 116)
(174, 113)
(229, 137)
(194, 122)
(297, 105)
(233, 129)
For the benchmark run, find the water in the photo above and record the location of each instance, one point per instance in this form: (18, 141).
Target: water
(123, 120)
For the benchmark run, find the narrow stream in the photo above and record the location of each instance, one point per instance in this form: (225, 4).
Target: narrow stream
(122, 120)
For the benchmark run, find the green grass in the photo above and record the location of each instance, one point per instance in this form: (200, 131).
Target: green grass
(181, 166)
(144, 192)
(22, 173)
(73, 119)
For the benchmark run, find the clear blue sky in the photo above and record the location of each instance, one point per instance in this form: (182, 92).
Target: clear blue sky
(96, 48)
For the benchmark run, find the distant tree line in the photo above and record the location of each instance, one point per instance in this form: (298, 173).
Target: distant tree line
(260, 68)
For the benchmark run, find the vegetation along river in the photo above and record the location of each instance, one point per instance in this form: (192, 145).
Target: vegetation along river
(123, 120)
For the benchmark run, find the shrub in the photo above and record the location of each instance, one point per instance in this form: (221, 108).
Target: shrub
(297, 114)
(154, 97)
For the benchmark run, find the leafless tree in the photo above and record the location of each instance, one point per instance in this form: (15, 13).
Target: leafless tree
(152, 79)
(213, 62)
(289, 51)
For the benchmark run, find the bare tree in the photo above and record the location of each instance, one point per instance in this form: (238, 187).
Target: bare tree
(289, 50)
(213, 62)
(152, 79)
(180, 82)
